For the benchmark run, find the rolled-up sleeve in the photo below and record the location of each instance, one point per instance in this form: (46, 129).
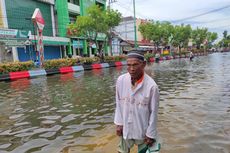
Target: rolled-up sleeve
(118, 119)
(154, 104)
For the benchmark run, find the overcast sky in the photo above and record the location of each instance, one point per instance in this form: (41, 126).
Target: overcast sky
(213, 14)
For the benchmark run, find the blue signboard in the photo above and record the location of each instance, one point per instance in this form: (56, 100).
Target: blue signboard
(77, 44)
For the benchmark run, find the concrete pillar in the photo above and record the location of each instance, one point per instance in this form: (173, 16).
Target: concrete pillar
(74, 52)
(15, 54)
(65, 52)
(90, 51)
(53, 21)
(2, 50)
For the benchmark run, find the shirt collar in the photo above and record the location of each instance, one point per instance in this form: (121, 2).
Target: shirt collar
(138, 82)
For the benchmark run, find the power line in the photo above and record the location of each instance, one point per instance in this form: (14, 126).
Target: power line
(211, 21)
(202, 14)
(221, 27)
(187, 18)
(128, 9)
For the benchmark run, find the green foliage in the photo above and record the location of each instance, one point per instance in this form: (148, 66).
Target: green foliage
(225, 34)
(199, 35)
(15, 66)
(164, 33)
(120, 58)
(89, 60)
(97, 21)
(181, 35)
(148, 56)
(114, 58)
(58, 63)
(225, 42)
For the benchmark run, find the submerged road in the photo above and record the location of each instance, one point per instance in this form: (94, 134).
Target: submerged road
(74, 112)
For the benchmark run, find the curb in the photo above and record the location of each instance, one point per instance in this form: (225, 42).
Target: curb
(85, 67)
(46, 72)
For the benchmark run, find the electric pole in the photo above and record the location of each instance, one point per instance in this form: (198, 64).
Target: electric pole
(135, 26)
(110, 30)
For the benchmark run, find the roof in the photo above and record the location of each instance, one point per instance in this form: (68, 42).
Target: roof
(128, 18)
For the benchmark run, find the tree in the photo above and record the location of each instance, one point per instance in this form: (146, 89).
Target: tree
(96, 22)
(211, 37)
(199, 35)
(225, 34)
(181, 35)
(166, 32)
(156, 31)
(226, 39)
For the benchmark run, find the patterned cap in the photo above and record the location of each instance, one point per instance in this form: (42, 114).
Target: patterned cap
(136, 54)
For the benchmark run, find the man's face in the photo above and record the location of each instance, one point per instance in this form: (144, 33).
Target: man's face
(135, 67)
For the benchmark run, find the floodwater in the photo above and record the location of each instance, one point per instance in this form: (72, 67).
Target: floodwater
(73, 113)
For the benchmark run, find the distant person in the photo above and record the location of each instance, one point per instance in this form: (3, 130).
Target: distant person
(157, 57)
(191, 56)
(137, 100)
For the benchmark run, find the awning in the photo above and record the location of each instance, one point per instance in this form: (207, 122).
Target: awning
(58, 41)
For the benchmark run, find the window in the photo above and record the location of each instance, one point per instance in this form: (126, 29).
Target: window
(73, 18)
(102, 6)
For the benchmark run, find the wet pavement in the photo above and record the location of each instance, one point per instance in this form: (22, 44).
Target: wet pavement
(74, 112)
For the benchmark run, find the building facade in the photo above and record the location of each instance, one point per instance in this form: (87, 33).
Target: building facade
(18, 34)
(17, 19)
(125, 31)
(67, 12)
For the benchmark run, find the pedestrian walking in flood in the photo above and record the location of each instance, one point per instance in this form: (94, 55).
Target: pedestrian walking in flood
(137, 101)
(191, 56)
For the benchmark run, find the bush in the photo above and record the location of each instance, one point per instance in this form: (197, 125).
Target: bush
(57, 63)
(148, 56)
(89, 60)
(16, 66)
(109, 59)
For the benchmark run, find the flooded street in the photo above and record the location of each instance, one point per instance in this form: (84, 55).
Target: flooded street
(74, 112)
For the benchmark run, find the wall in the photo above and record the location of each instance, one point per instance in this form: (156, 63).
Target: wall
(28, 53)
(139, 35)
(62, 17)
(19, 13)
(126, 29)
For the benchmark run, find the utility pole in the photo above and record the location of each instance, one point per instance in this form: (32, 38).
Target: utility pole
(135, 26)
(110, 30)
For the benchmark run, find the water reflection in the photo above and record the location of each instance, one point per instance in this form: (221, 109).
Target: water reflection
(74, 112)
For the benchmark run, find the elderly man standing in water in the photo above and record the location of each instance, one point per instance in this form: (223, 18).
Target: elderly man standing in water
(137, 101)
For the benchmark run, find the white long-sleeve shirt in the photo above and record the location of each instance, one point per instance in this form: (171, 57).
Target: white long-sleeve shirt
(136, 110)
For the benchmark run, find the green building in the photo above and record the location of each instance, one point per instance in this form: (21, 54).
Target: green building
(19, 32)
(67, 12)
(16, 26)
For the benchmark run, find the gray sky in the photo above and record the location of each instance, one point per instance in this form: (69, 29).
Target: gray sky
(213, 14)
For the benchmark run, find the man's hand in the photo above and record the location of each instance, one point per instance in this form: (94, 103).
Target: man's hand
(119, 130)
(149, 141)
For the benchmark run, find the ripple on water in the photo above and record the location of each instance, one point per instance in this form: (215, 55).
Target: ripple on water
(193, 114)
